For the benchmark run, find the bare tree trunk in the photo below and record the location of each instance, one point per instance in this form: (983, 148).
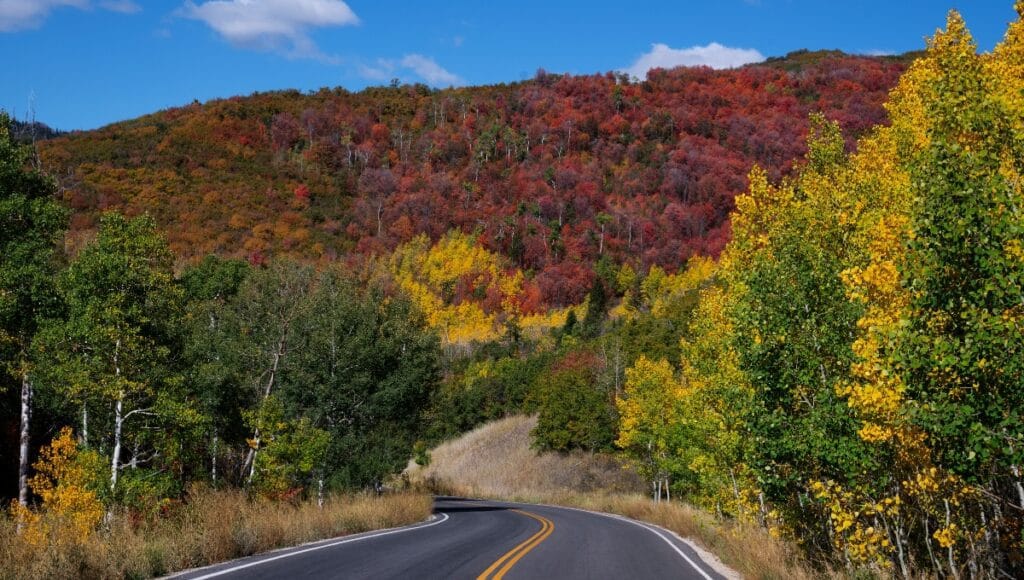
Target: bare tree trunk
(764, 509)
(952, 563)
(248, 467)
(23, 446)
(115, 458)
(668, 491)
(1017, 484)
(928, 544)
(904, 568)
(320, 492)
(85, 425)
(213, 460)
(380, 222)
(736, 492)
(904, 571)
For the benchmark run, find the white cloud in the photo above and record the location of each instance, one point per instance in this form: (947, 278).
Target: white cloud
(122, 6)
(272, 24)
(423, 67)
(381, 70)
(427, 69)
(878, 52)
(20, 14)
(713, 55)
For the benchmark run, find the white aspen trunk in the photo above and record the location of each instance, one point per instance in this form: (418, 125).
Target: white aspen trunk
(320, 492)
(250, 458)
(1017, 484)
(115, 458)
(904, 568)
(736, 492)
(668, 491)
(380, 222)
(23, 442)
(904, 571)
(949, 551)
(764, 509)
(85, 425)
(928, 543)
(213, 460)
(984, 524)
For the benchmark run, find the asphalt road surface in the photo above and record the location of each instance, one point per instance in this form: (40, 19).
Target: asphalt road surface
(484, 540)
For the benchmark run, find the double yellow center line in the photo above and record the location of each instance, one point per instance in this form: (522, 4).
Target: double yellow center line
(497, 570)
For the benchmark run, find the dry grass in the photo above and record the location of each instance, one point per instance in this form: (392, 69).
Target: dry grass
(496, 461)
(212, 527)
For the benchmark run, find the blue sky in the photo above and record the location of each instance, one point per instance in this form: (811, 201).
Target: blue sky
(86, 63)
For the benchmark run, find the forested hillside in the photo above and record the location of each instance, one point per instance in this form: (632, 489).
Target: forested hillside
(848, 374)
(552, 173)
(770, 295)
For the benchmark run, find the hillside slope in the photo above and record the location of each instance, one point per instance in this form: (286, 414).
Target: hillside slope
(553, 173)
(496, 460)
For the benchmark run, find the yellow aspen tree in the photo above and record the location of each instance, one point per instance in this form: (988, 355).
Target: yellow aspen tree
(66, 480)
(648, 417)
(714, 399)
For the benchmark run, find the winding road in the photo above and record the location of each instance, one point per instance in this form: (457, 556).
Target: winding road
(485, 540)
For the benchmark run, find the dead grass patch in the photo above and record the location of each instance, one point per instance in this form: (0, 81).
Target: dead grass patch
(496, 460)
(213, 526)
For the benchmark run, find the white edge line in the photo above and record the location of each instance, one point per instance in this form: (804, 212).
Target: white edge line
(656, 532)
(444, 517)
(649, 527)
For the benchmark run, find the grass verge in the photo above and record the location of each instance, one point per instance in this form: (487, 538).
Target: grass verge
(213, 526)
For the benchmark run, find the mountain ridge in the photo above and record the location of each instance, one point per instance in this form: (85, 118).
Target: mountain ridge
(556, 173)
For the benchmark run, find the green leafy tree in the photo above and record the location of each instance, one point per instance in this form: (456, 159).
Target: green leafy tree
(793, 326)
(486, 390)
(213, 371)
(362, 371)
(113, 349)
(31, 222)
(262, 326)
(337, 356)
(575, 411)
(961, 351)
(597, 310)
(293, 450)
